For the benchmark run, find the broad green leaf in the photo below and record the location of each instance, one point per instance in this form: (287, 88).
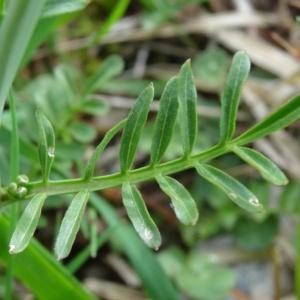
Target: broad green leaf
(60, 7)
(27, 224)
(134, 127)
(210, 67)
(236, 191)
(144, 262)
(265, 166)
(91, 164)
(70, 225)
(82, 132)
(256, 236)
(94, 107)
(110, 67)
(187, 95)
(139, 216)
(282, 117)
(39, 271)
(182, 202)
(238, 74)
(15, 33)
(165, 121)
(47, 144)
(203, 278)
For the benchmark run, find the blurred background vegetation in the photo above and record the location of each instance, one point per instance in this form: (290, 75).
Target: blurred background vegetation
(94, 58)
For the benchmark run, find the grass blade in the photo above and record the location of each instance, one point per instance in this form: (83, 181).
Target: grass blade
(58, 7)
(287, 114)
(15, 33)
(183, 204)
(70, 225)
(37, 269)
(47, 144)
(187, 95)
(117, 12)
(111, 67)
(139, 216)
(91, 164)
(236, 191)
(165, 121)
(134, 127)
(158, 287)
(238, 74)
(264, 165)
(27, 224)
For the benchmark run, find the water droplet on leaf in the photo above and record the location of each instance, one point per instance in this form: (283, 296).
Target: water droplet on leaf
(11, 248)
(51, 151)
(148, 234)
(254, 201)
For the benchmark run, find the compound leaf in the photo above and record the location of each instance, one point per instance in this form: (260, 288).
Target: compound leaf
(165, 121)
(264, 165)
(139, 216)
(70, 225)
(182, 202)
(238, 74)
(27, 224)
(134, 127)
(236, 191)
(187, 95)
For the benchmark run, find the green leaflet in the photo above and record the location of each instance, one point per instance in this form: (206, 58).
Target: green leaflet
(265, 166)
(27, 224)
(47, 144)
(15, 33)
(134, 127)
(165, 121)
(60, 7)
(187, 95)
(70, 225)
(139, 216)
(111, 67)
(184, 205)
(236, 191)
(238, 74)
(283, 117)
(91, 164)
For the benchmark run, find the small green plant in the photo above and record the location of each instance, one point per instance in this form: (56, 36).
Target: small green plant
(177, 104)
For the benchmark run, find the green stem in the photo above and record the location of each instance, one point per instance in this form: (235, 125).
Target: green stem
(14, 171)
(143, 174)
(135, 176)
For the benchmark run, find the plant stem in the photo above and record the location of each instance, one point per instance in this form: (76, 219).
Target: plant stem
(14, 170)
(142, 174)
(135, 176)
